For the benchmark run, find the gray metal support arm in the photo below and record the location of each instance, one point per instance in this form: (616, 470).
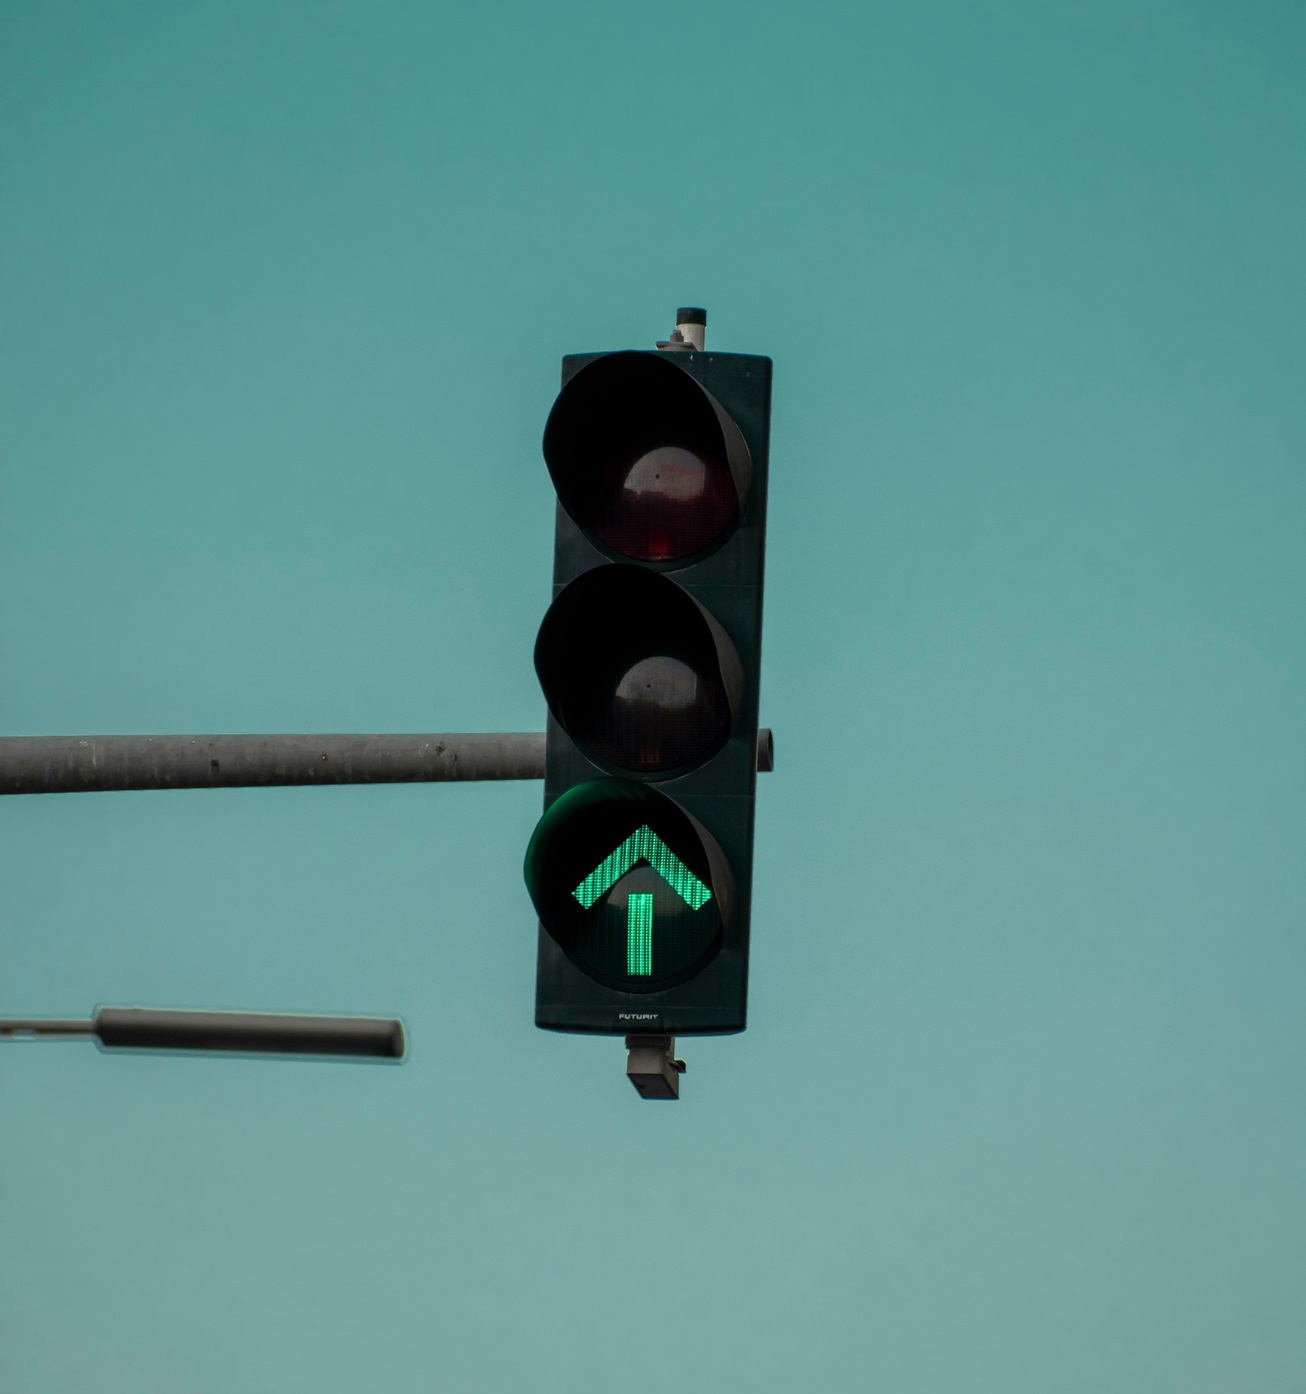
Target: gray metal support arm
(259, 1033)
(87, 764)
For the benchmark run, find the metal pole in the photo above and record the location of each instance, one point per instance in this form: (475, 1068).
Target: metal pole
(89, 764)
(142, 1028)
(18, 1027)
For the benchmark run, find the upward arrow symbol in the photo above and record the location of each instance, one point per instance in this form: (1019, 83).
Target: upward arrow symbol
(643, 845)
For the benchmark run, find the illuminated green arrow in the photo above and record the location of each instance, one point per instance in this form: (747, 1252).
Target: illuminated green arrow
(639, 934)
(642, 845)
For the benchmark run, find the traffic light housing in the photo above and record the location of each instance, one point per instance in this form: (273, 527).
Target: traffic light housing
(649, 657)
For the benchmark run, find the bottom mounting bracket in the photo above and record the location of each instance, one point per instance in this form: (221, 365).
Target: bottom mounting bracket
(651, 1068)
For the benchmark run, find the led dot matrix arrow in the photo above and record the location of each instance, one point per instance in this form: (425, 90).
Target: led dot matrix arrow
(649, 657)
(642, 845)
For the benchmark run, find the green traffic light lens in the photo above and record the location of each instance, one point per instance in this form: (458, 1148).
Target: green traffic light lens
(632, 889)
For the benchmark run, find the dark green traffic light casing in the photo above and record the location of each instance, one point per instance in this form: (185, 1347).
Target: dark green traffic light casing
(650, 657)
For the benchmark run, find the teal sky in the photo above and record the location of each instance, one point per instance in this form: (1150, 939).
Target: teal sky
(283, 291)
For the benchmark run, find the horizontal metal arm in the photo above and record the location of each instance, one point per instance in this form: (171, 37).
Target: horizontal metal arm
(15, 1027)
(87, 764)
(140, 1028)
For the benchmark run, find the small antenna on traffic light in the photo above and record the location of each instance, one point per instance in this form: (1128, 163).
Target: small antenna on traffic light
(690, 332)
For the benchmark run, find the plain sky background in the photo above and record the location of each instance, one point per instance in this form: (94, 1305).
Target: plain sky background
(283, 289)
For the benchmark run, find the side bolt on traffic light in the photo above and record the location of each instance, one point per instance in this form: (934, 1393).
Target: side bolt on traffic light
(649, 658)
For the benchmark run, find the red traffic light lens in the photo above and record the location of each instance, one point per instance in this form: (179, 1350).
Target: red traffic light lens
(645, 460)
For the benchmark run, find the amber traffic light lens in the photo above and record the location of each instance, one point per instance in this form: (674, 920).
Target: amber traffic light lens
(635, 672)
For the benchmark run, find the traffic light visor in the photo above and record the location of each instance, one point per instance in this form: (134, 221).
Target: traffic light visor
(633, 890)
(645, 460)
(636, 672)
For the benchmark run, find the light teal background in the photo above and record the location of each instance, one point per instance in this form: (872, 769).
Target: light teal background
(283, 287)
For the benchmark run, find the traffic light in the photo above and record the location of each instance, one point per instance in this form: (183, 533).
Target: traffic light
(649, 657)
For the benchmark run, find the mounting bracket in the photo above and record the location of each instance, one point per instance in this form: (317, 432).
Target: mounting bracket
(652, 1068)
